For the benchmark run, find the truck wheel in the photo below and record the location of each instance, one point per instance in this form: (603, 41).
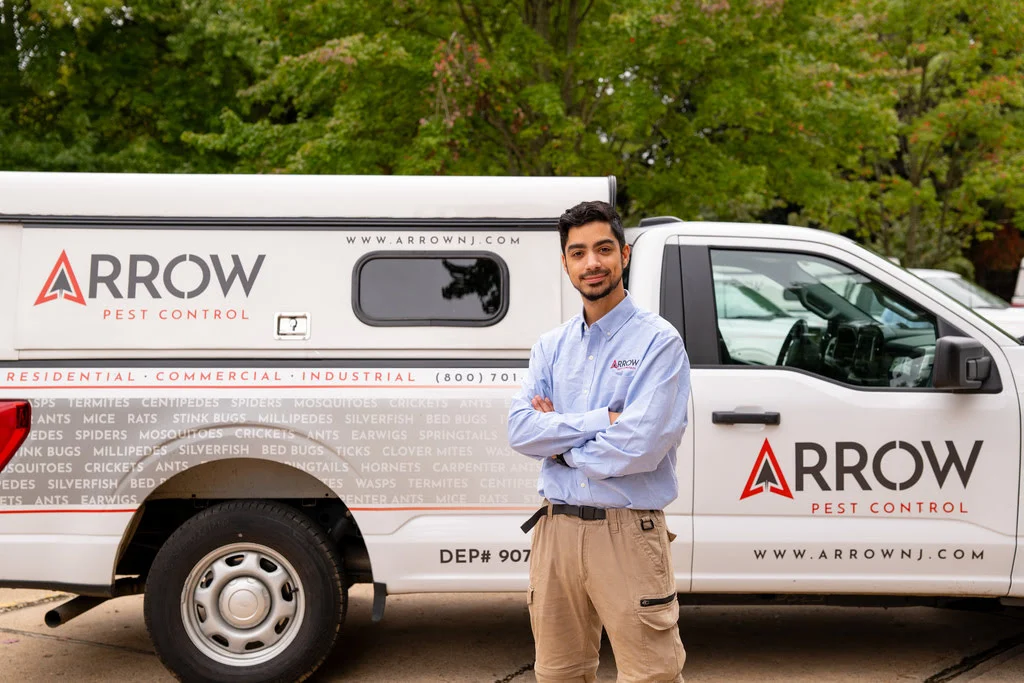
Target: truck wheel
(245, 591)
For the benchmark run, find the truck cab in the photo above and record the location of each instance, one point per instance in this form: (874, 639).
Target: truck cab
(858, 433)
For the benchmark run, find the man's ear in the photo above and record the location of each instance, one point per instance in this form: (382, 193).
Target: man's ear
(626, 251)
(564, 266)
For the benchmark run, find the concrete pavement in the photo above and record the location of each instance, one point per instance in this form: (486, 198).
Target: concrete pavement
(483, 638)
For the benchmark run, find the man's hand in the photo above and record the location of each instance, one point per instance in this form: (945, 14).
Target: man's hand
(612, 417)
(543, 405)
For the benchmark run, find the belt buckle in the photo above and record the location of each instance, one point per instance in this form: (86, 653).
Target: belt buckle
(588, 513)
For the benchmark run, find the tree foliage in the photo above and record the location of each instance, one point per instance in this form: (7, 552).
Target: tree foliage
(96, 85)
(956, 172)
(896, 121)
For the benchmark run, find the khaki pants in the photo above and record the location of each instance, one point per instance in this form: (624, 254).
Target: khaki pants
(616, 572)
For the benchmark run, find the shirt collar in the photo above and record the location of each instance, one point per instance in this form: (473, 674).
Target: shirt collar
(614, 319)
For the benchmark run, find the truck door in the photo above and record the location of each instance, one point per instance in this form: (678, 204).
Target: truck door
(824, 459)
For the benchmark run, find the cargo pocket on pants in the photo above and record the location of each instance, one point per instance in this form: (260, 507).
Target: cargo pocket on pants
(663, 648)
(530, 607)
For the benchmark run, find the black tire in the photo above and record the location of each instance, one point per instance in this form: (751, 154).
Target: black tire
(280, 541)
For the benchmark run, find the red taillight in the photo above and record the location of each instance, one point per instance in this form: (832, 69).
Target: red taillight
(15, 423)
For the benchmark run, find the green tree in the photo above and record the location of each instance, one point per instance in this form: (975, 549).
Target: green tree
(703, 109)
(424, 86)
(956, 171)
(740, 110)
(896, 121)
(97, 85)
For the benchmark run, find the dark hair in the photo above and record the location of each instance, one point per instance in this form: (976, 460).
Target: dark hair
(589, 212)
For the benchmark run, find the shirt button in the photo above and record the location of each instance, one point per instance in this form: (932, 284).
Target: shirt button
(586, 391)
(591, 358)
(583, 484)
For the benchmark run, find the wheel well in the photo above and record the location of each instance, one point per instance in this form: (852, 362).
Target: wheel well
(189, 492)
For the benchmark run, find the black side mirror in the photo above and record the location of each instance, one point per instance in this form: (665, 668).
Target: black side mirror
(961, 364)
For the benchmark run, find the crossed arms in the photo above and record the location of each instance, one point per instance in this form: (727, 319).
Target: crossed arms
(601, 443)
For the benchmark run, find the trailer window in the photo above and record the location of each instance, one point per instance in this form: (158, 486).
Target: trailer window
(449, 289)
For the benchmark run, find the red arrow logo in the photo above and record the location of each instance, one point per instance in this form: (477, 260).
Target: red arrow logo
(62, 283)
(766, 475)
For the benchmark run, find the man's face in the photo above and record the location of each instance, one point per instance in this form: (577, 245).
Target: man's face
(593, 260)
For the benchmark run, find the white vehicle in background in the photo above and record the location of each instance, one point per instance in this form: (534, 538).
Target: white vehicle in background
(751, 326)
(1018, 289)
(974, 296)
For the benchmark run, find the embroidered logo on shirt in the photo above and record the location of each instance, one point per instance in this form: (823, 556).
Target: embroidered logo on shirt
(630, 364)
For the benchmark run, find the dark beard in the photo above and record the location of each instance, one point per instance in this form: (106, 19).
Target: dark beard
(595, 297)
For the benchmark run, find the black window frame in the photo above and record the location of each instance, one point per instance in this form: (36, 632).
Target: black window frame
(672, 303)
(367, 319)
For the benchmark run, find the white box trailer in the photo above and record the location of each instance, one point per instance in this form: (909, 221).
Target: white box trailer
(344, 346)
(243, 394)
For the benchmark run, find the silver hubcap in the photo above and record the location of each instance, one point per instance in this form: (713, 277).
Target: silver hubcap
(242, 604)
(245, 602)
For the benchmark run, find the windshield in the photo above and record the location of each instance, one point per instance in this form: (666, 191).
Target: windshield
(967, 293)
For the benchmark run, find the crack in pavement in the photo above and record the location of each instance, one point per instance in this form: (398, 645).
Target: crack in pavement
(516, 674)
(972, 661)
(14, 607)
(76, 641)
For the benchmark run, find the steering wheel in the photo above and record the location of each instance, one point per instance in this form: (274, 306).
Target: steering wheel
(793, 337)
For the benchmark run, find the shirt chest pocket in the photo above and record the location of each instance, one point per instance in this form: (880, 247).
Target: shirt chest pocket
(620, 382)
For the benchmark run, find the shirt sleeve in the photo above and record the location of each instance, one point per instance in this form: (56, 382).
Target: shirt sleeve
(542, 435)
(652, 422)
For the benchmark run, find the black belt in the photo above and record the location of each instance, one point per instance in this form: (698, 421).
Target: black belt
(581, 511)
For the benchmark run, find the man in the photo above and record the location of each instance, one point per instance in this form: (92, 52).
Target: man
(604, 406)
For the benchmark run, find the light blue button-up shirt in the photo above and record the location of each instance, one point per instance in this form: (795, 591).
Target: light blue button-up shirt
(630, 361)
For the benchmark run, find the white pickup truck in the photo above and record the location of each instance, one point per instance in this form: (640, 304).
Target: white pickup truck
(241, 395)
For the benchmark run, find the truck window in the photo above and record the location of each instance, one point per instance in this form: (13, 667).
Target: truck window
(814, 314)
(455, 289)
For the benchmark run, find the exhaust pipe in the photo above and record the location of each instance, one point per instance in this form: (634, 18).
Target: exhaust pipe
(71, 609)
(81, 604)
